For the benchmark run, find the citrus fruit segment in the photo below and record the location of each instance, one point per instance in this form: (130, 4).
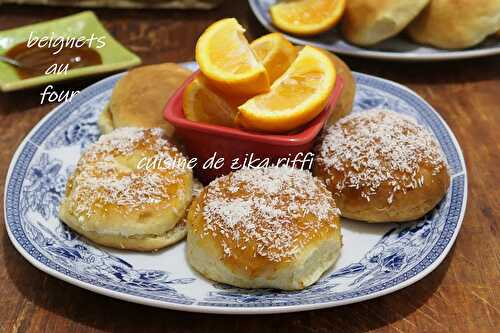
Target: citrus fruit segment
(275, 52)
(202, 103)
(226, 59)
(307, 17)
(296, 98)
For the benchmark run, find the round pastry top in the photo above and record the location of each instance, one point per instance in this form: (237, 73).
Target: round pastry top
(266, 214)
(378, 148)
(112, 174)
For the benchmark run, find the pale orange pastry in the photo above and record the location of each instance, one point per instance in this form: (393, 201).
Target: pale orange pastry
(307, 17)
(345, 102)
(139, 98)
(296, 98)
(264, 228)
(275, 52)
(205, 104)
(226, 59)
(382, 167)
(113, 199)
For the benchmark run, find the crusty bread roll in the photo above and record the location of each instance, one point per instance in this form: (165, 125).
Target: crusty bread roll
(456, 24)
(382, 167)
(368, 22)
(115, 199)
(139, 98)
(264, 228)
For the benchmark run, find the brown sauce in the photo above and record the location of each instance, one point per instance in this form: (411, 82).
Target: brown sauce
(38, 59)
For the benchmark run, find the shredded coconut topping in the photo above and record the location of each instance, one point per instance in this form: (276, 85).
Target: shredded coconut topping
(379, 147)
(107, 173)
(273, 211)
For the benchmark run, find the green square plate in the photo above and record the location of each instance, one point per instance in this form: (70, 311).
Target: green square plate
(114, 55)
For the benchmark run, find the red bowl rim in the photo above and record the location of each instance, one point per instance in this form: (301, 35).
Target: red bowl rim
(174, 114)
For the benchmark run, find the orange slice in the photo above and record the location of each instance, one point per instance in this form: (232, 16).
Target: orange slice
(275, 52)
(296, 98)
(226, 59)
(205, 104)
(307, 17)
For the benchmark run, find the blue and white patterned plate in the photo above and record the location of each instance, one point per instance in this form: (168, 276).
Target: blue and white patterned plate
(376, 259)
(397, 48)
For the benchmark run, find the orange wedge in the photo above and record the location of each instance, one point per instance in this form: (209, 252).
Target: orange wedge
(275, 52)
(226, 59)
(296, 98)
(307, 17)
(205, 104)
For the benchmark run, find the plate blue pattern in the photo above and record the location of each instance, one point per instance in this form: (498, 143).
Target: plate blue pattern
(397, 48)
(395, 255)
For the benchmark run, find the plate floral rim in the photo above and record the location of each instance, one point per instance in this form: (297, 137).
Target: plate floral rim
(441, 55)
(429, 263)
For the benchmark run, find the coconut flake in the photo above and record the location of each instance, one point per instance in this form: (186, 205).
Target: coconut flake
(379, 147)
(267, 208)
(101, 178)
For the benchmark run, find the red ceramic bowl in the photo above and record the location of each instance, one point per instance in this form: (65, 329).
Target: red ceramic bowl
(204, 141)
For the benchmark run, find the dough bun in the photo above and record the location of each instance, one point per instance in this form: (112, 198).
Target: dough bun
(114, 200)
(456, 24)
(139, 98)
(370, 22)
(346, 101)
(382, 167)
(136, 243)
(264, 228)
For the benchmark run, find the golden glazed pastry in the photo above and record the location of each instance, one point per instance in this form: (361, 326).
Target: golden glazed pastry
(456, 24)
(264, 228)
(139, 98)
(382, 167)
(368, 22)
(113, 200)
